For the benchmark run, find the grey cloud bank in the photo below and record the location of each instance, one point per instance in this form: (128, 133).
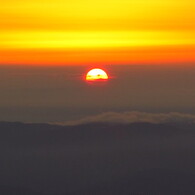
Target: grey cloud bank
(134, 116)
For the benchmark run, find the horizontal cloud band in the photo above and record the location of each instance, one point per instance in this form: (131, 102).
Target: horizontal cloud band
(135, 116)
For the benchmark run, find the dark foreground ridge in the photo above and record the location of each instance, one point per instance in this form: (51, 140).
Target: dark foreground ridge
(97, 159)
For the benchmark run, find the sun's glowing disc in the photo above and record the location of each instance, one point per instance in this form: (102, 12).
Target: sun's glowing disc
(96, 74)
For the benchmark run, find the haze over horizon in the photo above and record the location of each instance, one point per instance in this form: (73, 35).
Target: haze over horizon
(59, 94)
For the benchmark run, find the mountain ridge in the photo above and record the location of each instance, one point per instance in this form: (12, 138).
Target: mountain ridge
(106, 159)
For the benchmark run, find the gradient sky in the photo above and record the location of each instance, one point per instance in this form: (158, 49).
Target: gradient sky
(40, 41)
(96, 32)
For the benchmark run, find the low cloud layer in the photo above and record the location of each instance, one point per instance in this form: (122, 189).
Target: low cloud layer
(132, 117)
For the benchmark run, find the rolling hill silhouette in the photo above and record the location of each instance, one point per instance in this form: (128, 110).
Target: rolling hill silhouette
(102, 159)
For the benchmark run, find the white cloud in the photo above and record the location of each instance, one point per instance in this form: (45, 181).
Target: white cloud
(135, 116)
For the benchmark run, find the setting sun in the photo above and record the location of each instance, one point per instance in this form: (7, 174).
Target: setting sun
(96, 74)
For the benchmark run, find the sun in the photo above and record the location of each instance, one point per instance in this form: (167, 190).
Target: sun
(96, 74)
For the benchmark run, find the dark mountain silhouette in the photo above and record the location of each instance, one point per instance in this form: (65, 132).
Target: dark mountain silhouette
(102, 159)
(9, 190)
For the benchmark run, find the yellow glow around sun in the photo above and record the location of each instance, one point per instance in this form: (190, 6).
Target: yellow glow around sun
(96, 74)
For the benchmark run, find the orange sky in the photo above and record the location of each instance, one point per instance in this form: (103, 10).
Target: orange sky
(97, 32)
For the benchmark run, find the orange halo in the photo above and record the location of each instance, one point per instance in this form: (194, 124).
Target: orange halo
(96, 74)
